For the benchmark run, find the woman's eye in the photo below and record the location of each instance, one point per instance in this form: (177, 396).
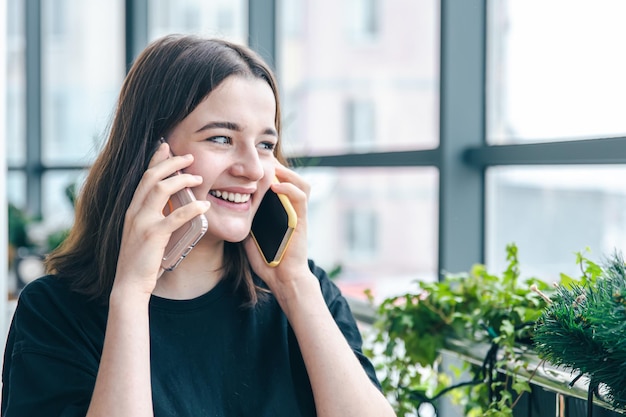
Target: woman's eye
(224, 140)
(269, 146)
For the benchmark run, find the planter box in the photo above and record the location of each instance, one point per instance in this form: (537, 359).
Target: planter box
(553, 379)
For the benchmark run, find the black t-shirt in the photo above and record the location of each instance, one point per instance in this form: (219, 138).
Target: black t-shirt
(209, 355)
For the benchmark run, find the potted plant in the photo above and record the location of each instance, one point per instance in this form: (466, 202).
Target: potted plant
(18, 235)
(30, 240)
(412, 330)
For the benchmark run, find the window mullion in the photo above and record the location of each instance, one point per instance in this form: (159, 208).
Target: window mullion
(33, 112)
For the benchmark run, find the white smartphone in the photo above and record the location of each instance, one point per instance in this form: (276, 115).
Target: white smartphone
(187, 236)
(273, 226)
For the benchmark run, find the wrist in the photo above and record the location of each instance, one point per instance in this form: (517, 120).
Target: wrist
(301, 295)
(128, 295)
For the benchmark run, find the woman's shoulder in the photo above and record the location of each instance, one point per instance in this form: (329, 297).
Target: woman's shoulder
(49, 315)
(47, 287)
(52, 295)
(52, 326)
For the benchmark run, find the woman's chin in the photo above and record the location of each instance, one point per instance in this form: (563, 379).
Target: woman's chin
(236, 237)
(229, 232)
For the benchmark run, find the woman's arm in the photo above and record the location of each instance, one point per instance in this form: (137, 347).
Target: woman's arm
(123, 386)
(340, 385)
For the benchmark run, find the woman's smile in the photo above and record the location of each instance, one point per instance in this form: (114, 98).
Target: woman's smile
(232, 197)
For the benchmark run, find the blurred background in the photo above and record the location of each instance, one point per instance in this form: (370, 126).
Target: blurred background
(433, 132)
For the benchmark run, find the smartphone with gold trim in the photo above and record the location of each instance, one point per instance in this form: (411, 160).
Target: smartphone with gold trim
(273, 225)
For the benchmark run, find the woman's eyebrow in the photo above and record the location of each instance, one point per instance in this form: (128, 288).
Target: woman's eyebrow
(220, 125)
(233, 126)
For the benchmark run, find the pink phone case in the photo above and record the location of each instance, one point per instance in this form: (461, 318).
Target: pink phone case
(185, 238)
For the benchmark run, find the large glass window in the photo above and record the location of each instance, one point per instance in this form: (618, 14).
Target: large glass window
(555, 70)
(378, 225)
(358, 78)
(384, 90)
(553, 212)
(554, 74)
(82, 70)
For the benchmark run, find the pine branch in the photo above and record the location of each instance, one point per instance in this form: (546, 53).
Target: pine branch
(584, 328)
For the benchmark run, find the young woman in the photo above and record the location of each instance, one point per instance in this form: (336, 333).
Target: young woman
(109, 333)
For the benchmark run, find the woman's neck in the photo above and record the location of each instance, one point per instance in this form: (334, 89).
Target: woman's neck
(197, 274)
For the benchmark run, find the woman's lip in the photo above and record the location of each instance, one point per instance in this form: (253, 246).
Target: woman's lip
(237, 190)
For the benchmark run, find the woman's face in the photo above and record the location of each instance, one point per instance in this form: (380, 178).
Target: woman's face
(231, 135)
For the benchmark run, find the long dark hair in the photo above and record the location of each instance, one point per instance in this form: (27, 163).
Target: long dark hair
(166, 83)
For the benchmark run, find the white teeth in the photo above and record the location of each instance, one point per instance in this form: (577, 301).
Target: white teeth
(232, 197)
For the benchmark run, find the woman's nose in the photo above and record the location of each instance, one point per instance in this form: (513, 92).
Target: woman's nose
(248, 164)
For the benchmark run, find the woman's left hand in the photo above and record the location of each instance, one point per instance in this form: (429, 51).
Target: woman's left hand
(293, 268)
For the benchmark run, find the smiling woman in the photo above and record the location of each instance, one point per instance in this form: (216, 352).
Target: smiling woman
(108, 332)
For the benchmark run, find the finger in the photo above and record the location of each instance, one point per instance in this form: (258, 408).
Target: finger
(168, 166)
(297, 192)
(164, 164)
(256, 261)
(160, 154)
(183, 214)
(164, 190)
(160, 181)
(286, 175)
(153, 199)
(254, 257)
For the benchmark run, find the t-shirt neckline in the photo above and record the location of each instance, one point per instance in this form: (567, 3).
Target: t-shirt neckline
(215, 293)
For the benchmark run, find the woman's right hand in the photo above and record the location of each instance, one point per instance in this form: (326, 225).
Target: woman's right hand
(146, 229)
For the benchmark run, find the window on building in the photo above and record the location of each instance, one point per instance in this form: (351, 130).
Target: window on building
(361, 233)
(362, 18)
(361, 124)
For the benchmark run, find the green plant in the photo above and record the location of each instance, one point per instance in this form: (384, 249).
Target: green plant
(413, 329)
(19, 224)
(17, 233)
(583, 328)
(18, 221)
